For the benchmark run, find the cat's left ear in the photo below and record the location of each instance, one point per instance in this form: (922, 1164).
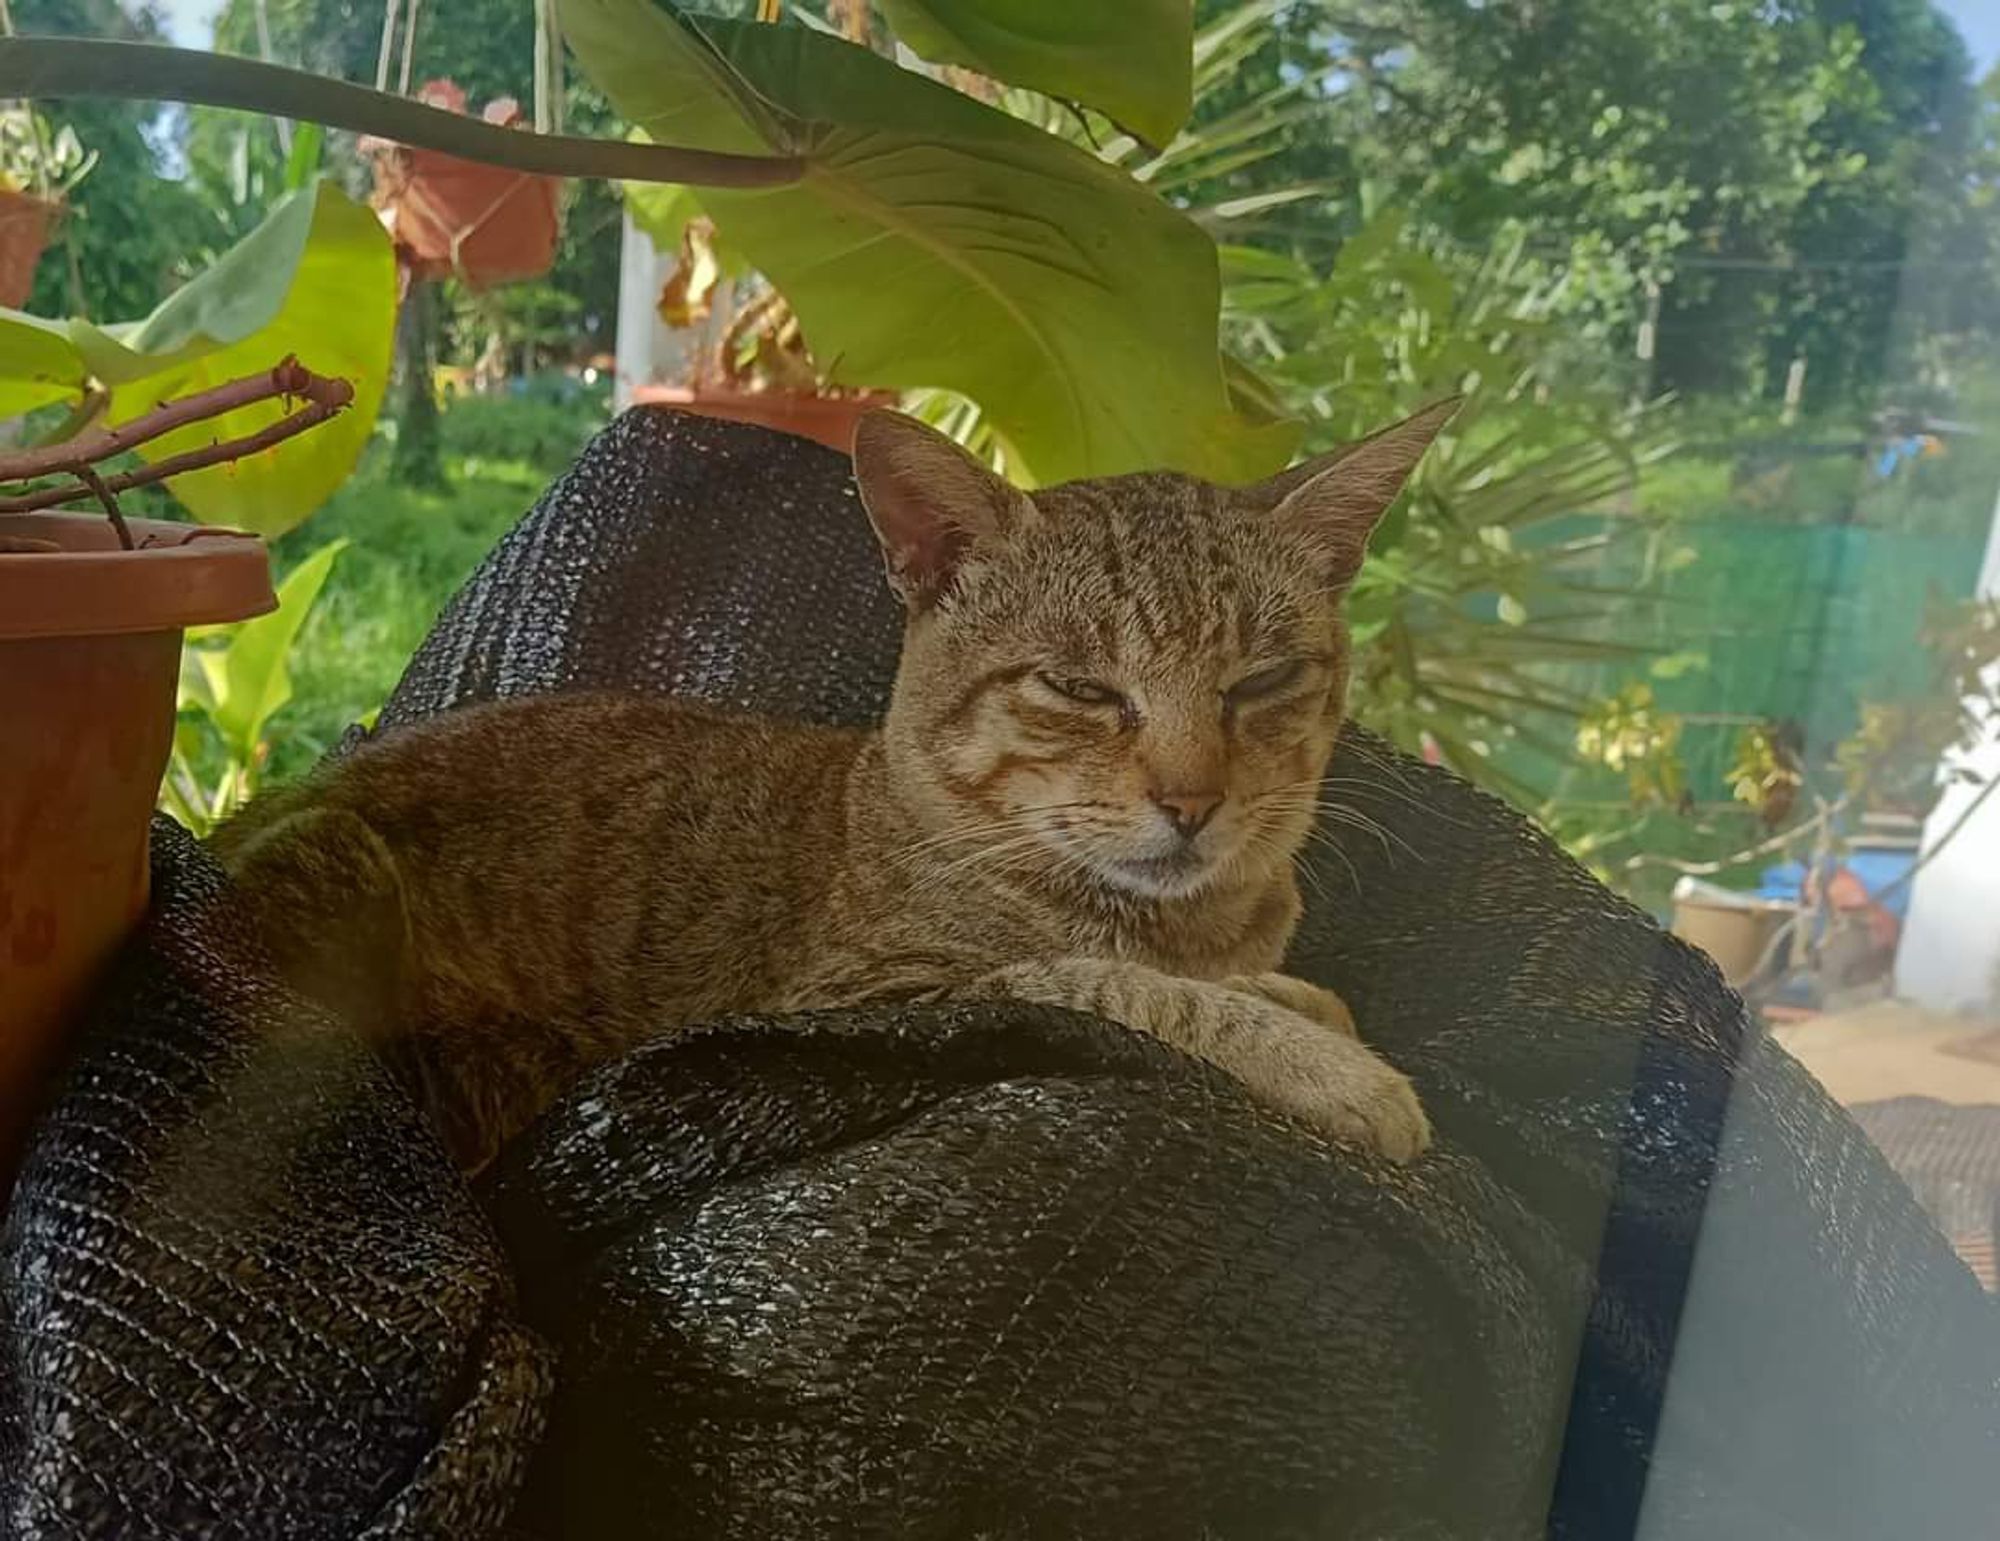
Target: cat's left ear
(929, 501)
(1340, 497)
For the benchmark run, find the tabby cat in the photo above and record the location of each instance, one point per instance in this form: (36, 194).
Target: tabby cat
(1102, 756)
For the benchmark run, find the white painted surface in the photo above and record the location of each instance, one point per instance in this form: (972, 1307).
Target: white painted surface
(1950, 952)
(648, 350)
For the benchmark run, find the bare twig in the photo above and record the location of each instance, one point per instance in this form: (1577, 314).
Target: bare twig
(1778, 842)
(89, 477)
(324, 397)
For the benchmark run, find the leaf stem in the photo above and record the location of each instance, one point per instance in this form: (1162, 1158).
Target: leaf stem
(150, 72)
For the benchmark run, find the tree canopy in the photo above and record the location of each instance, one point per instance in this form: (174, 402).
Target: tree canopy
(1762, 180)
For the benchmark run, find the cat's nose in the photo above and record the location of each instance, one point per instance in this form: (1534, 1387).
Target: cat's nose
(1189, 811)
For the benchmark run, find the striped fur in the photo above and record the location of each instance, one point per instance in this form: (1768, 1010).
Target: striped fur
(512, 892)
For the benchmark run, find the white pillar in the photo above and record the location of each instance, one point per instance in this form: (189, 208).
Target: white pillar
(1949, 956)
(649, 351)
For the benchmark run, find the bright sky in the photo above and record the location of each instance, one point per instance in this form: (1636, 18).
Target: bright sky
(191, 23)
(1979, 23)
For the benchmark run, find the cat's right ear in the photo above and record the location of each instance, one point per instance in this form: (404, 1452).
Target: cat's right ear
(928, 500)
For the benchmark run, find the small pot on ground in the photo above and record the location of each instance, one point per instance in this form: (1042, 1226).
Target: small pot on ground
(90, 651)
(828, 420)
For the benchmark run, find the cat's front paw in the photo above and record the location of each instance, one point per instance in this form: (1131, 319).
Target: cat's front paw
(1333, 1084)
(1308, 1000)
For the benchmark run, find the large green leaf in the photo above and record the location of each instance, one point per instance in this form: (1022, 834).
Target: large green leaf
(935, 242)
(38, 363)
(1130, 59)
(316, 279)
(244, 683)
(662, 210)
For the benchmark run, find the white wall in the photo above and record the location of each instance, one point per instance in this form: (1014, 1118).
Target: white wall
(1951, 943)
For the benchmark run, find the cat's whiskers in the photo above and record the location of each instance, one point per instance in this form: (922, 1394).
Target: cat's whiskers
(1319, 837)
(987, 829)
(966, 834)
(1011, 855)
(1394, 771)
(1345, 814)
(1353, 818)
(1362, 783)
(1279, 850)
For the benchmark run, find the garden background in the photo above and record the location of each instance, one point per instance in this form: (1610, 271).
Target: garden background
(1741, 260)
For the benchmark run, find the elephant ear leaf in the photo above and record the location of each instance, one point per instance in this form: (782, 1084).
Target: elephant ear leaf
(1130, 59)
(39, 364)
(934, 242)
(317, 279)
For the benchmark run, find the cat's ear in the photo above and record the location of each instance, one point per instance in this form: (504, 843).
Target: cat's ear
(929, 501)
(1340, 497)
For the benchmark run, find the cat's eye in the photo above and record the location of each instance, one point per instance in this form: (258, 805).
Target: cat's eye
(1086, 692)
(1268, 682)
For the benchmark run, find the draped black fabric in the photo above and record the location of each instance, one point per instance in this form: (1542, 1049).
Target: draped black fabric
(982, 1271)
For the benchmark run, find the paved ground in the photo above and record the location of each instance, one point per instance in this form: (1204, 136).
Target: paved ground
(1888, 1049)
(1949, 1155)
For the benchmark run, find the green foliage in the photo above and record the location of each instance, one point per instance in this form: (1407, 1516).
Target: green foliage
(316, 279)
(1892, 758)
(486, 47)
(936, 242)
(39, 364)
(1127, 58)
(1630, 736)
(1767, 165)
(1781, 798)
(234, 680)
(39, 158)
(1765, 772)
(540, 422)
(408, 550)
(131, 231)
(1484, 590)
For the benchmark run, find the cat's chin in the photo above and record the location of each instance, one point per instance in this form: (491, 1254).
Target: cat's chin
(1160, 877)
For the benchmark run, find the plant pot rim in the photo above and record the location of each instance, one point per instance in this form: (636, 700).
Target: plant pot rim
(188, 576)
(22, 195)
(678, 395)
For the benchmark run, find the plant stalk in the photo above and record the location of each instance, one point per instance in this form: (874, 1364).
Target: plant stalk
(40, 67)
(324, 398)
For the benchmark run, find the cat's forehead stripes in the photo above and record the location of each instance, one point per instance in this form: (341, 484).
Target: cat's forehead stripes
(1158, 564)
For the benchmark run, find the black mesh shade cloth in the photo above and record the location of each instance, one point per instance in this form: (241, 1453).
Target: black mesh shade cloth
(988, 1271)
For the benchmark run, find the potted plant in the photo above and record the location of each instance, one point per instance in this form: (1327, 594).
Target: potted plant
(39, 167)
(92, 610)
(449, 216)
(205, 398)
(749, 361)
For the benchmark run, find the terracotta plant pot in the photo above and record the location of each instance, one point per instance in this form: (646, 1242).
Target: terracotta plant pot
(828, 420)
(485, 224)
(90, 652)
(25, 221)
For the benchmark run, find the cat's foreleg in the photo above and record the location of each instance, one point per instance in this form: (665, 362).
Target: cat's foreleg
(1286, 1060)
(1308, 1000)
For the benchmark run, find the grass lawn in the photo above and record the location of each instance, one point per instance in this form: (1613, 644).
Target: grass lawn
(407, 552)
